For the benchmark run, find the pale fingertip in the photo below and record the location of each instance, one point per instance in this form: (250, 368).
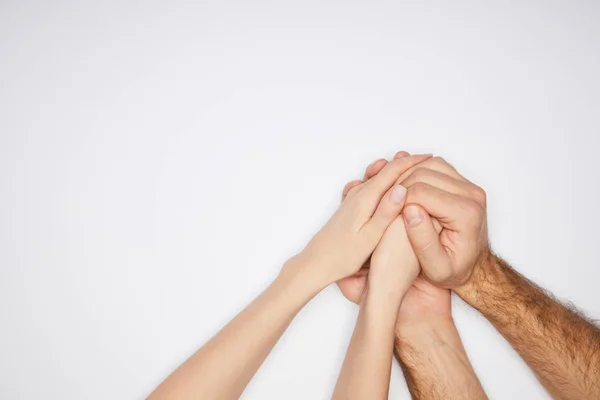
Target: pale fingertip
(398, 194)
(412, 215)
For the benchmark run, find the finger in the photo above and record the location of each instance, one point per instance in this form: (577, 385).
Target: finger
(435, 262)
(352, 287)
(436, 164)
(374, 168)
(439, 180)
(401, 154)
(349, 186)
(448, 208)
(388, 209)
(376, 187)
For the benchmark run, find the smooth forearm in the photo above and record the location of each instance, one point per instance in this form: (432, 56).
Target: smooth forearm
(222, 368)
(560, 345)
(366, 369)
(434, 361)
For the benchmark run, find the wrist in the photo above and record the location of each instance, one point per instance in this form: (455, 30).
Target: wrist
(378, 314)
(426, 335)
(485, 273)
(301, 277)
(382, 302)
(433, 326)
(388, 287)
(386, 291)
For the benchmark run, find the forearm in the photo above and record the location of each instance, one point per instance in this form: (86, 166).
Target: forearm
(366, 369)
(222, 368)
(560, 345)
(434, 361)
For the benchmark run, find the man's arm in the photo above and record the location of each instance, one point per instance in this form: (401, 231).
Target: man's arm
(560, 345)
(435, 363)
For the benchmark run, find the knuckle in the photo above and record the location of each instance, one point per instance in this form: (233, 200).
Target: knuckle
(474, 214)
(472, 207)
(420, 174)
(480, 195)
(403, 165)
(419, 189)
(437, 160)
(399, 165)
(442, 164)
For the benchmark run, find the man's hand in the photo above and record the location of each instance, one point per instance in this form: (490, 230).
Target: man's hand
(439, 197)
(560, 345)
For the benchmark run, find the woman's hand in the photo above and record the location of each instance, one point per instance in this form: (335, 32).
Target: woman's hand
(347, 240)
(393, 268)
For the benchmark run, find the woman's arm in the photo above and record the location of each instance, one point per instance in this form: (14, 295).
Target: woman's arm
(222, 368)
(366, 370)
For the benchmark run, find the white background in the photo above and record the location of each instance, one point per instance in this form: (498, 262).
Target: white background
(160, 161)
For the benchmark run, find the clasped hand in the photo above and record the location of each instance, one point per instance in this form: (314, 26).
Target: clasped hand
(402, 237)
(415, 209)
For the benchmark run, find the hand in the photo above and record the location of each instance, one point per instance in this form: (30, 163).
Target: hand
(393, 268)
(393, 265)
(423, 300)
(458, 206)
(346, 241)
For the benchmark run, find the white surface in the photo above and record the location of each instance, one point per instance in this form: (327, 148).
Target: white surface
(160, 161)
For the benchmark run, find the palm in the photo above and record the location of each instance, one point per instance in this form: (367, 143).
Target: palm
(422, 299)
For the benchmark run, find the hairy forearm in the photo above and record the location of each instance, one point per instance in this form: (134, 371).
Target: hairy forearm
(222, 368)
(434, 361)
(560, 345)
(367, 365)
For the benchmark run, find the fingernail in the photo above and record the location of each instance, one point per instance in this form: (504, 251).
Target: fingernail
(412, 215)
(398, 194)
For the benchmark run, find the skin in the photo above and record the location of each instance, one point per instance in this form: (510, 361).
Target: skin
(426, 342)
(560, 345)
(222, 368)
(367, 366)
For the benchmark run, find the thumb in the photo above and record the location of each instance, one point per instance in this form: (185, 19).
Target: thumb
(388, 209)
(424, 239)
